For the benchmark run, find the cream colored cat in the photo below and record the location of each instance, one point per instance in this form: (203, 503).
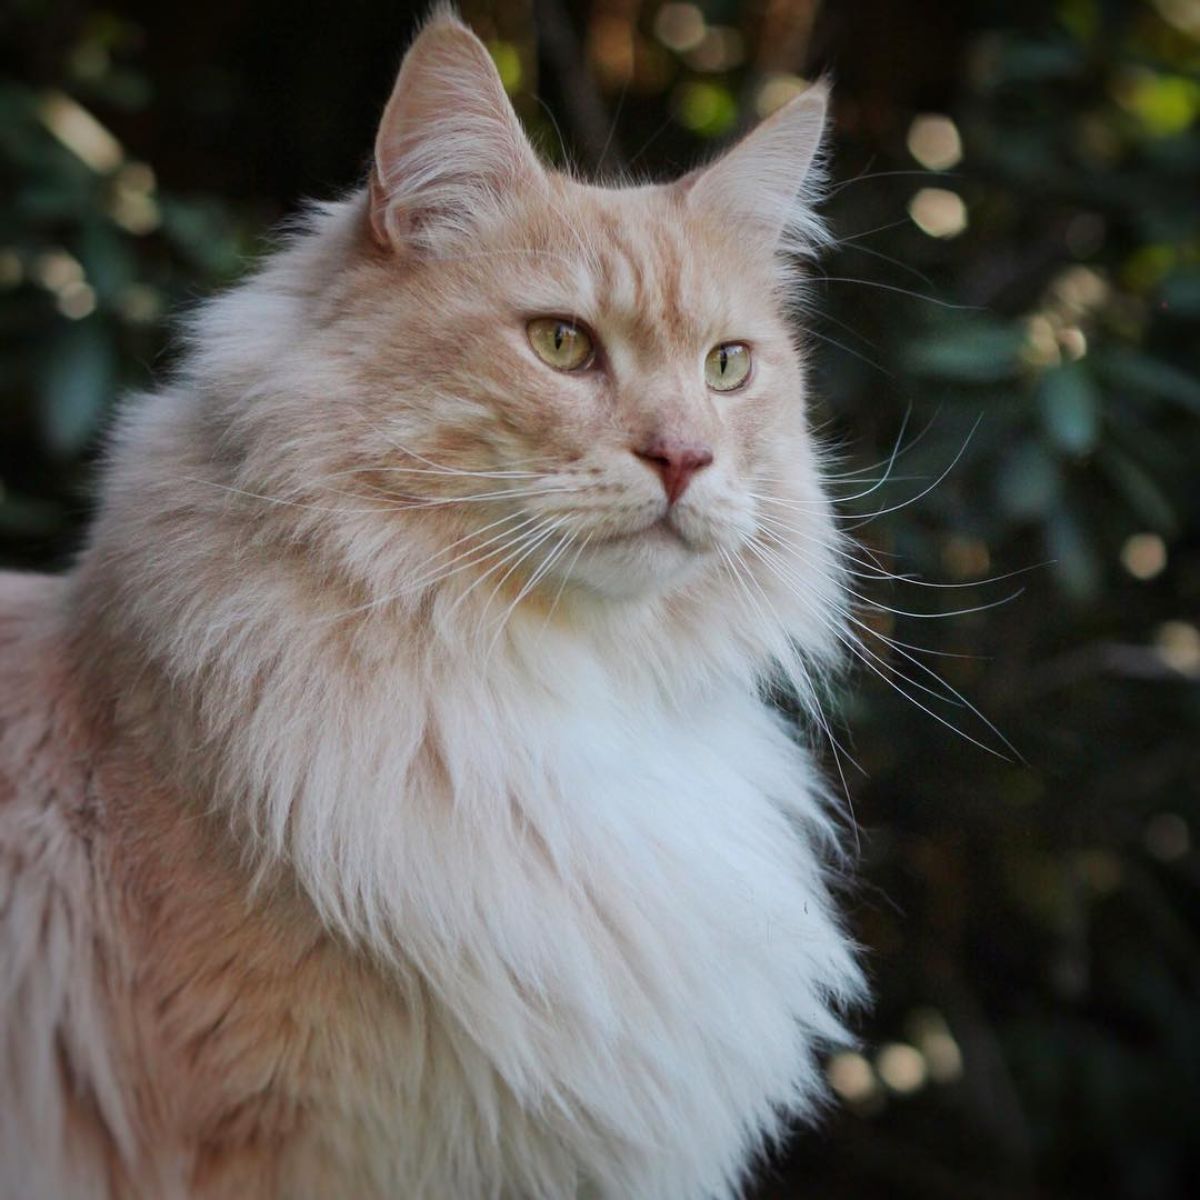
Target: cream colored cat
(388, 806)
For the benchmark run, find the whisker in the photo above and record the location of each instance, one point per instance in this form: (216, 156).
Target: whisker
(877, 571)
(454, 473)
(860, 521)
(891, 287)
(740, 573)
(538, 573)
(824, 337)
(887, 258)
(861, 652)
(958, 696)
(443, 572)
(841, 187)
(874, 487)
(417, 503)
(852, 643)
(280, 500)
(960, 612)
(565, 577)
(854, 237)
(895, 455)
(547, 531)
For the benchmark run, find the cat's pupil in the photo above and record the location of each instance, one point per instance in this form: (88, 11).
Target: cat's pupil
(560, 336)
(723, 359)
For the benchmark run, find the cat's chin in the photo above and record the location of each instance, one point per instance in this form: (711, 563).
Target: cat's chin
(648, 563)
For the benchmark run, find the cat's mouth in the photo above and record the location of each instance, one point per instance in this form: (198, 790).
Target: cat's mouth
(660, 527)
(662, 530)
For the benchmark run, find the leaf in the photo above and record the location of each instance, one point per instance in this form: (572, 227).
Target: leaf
(107, 259)
(201, 230)
(1028, 61)
(1028, 482)
(1181, 294)
(1140, 491)
(974, 352)
(1074, 562)
(1070, 406)
(78, 383)
(1131, 369)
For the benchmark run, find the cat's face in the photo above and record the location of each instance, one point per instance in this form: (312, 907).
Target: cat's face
(592, 384)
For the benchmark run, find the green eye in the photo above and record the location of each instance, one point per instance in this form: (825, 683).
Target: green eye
(560, 343)
(727, 366)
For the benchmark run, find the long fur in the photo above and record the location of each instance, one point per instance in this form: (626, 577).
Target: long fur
(377, 819)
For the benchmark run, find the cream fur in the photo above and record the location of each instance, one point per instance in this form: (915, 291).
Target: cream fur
(341, 855)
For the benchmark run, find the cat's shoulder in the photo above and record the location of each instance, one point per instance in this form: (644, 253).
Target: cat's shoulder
(45, 767)
(34, 691)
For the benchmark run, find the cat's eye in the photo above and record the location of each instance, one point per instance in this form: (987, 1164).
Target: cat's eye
(727, 366)
(560, 343)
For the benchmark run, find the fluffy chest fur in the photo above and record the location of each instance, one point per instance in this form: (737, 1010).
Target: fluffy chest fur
(577, 964)
(570, 1024)
(548, 914)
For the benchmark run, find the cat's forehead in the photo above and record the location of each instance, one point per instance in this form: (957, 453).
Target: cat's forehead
(641, 255)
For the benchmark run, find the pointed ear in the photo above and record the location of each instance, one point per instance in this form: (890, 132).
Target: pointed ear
(450, 146)
(769, 181)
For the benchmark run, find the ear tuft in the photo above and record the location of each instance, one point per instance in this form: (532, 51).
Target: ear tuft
(450, 147)
(769, 182)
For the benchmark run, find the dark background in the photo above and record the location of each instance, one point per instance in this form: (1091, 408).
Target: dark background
(1032, 929)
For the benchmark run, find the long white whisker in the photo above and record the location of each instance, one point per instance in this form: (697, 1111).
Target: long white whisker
(546, 532)
(862, 652)
(888, 287)
(509, 551)
(538, 573)
(859, 521)
(437, 471)
(566, 575)
(470, 557)
(740, 573)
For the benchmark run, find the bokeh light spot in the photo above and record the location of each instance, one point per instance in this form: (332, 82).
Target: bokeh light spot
(852, 1077)
(1144, 555)
(1177, 644)
(508, 64)
(680, 27)
(721, 49)
(902, 1068)
(706, 108)
(934, 141)
(56, 270)
(777, 91)
(1167, 837)
(12, 270)
(76, 301)
(938, 212)
(80, 132)
(930, 1033)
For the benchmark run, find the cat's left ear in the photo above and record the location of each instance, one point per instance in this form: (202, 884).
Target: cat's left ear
(768, 182)
(450, 148)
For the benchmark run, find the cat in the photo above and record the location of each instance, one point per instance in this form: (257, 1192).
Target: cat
(390, 800)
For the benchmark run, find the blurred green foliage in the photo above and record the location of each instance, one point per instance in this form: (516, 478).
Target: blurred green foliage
(1012, 312)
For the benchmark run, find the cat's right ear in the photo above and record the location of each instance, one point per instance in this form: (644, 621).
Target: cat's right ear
(450, 148)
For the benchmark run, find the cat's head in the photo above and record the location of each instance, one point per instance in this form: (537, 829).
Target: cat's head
(527, 382)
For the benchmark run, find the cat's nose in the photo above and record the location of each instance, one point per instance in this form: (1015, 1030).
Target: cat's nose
(675, 461)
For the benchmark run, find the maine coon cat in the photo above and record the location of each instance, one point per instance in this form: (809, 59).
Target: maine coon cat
(389, 804)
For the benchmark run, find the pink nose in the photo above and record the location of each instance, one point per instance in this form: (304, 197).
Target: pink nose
(676, 462)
